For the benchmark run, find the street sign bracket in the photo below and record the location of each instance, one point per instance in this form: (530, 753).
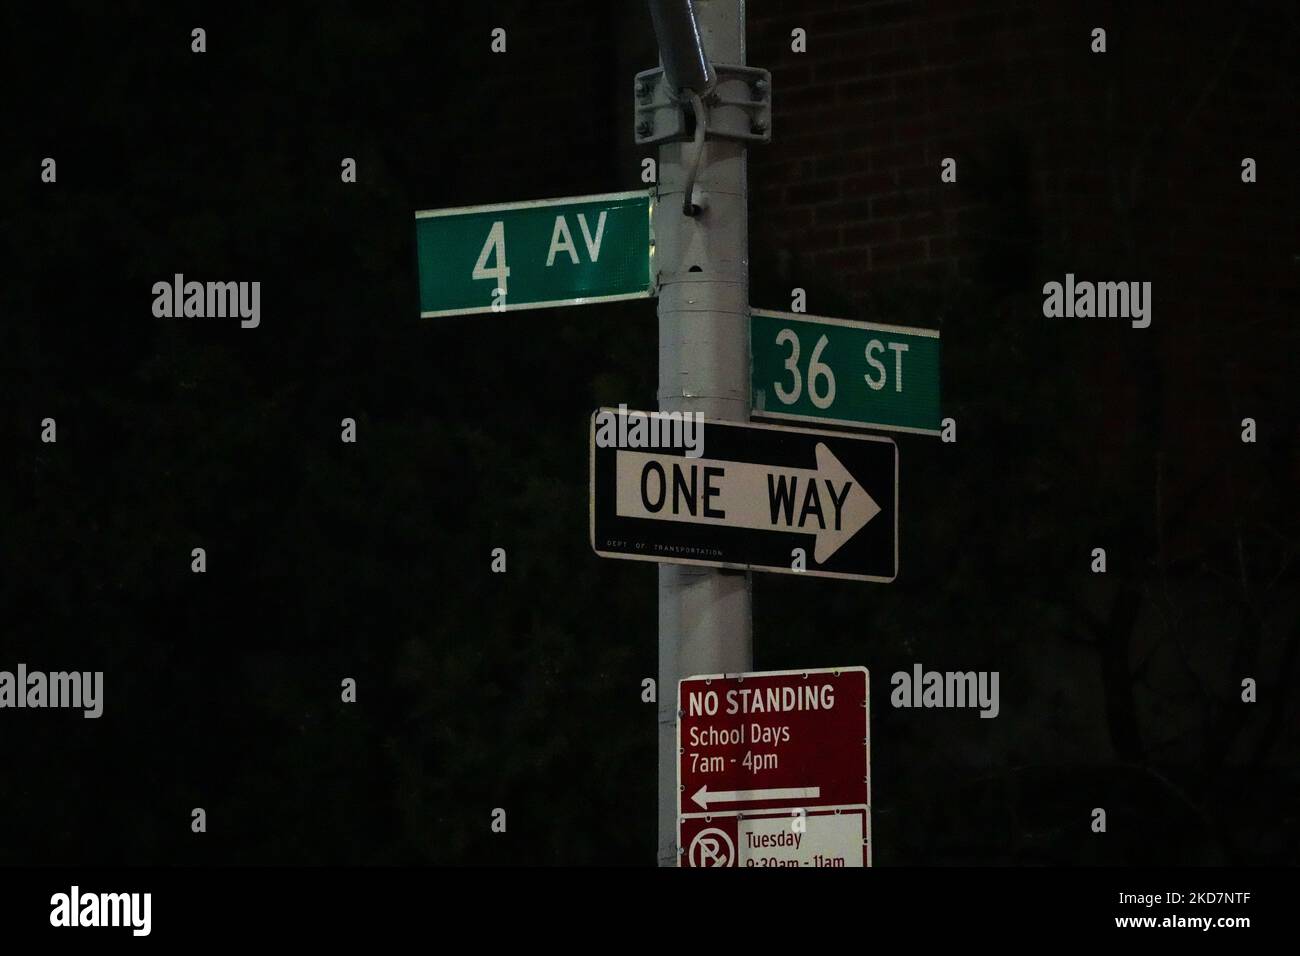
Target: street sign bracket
(740, 107)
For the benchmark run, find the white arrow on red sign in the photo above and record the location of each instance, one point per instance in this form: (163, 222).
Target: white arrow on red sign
(704, 796)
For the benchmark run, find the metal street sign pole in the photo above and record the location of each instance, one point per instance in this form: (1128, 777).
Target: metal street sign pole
(702, 263)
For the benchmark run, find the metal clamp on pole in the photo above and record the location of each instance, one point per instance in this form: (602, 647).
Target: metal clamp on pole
(739, 107)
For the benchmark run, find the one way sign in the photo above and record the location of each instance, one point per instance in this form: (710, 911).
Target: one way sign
(759, 497)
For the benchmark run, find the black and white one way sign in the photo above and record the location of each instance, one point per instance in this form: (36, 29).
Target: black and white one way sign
(759, 497)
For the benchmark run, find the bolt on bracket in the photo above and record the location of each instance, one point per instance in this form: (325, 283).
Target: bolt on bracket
(739, 107)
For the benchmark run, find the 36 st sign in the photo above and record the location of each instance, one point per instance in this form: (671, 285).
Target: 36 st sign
(813, 369)
(534, 255)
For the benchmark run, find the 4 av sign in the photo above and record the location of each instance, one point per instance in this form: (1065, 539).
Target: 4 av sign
(534, 255)
(773, 769)
(813, 369)
(758, 497)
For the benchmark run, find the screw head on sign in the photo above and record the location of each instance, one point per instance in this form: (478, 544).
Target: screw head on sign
(642, 88)
(760, 126)
(644, 128)
(760, 89)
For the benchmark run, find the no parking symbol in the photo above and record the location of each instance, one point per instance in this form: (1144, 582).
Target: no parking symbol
(712, 847)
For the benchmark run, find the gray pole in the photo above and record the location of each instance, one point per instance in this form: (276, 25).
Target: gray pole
(703, 265)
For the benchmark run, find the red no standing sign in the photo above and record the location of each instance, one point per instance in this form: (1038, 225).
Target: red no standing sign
(773, 769)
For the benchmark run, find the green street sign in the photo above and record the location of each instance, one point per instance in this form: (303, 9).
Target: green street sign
(534, 255)
(813, 369)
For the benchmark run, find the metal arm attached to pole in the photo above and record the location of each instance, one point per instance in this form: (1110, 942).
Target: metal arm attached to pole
(701, 232)
(681, 48)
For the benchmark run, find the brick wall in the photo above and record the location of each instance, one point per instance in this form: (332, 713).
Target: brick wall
(1093, 157)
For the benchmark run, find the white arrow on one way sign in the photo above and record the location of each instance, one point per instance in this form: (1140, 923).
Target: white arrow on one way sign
(826, 501)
